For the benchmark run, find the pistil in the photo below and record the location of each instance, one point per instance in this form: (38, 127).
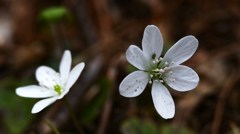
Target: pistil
(157, 73)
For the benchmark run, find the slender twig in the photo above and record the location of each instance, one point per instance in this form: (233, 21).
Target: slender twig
(106, 113)
(73, 116)
(226, 90)
(111, 75)
(52, 126)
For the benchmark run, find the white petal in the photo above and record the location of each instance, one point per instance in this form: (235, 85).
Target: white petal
(40, 105)
(135, 56)
(162, 100)
(47, 77)
(34, 91)
(65, 65)
(152, 42)
(74, 74)
(182, 50)
(182, 78)
(44, 72)
(134, 84)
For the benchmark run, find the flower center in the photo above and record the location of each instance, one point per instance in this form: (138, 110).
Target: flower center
(52, 82)
(160, 68)
(58, 89)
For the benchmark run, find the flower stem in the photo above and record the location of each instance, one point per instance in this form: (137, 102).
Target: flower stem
(73, 116)
(52, 126)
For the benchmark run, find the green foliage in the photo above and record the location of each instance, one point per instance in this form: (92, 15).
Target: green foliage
(167, 45)
(131, 68)
(168, 129)
(16, 110)
(91, 111)
(53, 14)
(136, 126)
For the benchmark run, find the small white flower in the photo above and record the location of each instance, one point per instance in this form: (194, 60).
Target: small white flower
(52, 85)
(159, 71)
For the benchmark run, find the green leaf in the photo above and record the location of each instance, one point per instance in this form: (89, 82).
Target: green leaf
(168, 129)
(53, 14)
(136, 126)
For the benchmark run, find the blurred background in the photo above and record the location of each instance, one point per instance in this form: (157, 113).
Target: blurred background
(36, 32)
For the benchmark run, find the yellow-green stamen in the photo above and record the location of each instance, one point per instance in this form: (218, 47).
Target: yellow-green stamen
(58, 89)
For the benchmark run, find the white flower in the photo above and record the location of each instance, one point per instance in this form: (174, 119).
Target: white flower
(52, 85)
(159, 71)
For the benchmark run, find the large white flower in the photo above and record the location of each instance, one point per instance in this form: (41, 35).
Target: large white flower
(52, 85)
(160, 71)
